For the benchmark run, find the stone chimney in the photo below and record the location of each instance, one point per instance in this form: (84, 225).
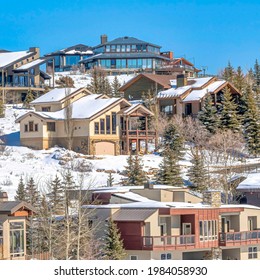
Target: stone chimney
(35, 50)
(212, 198)
(3, 196)
(103, 39)
(181, 80)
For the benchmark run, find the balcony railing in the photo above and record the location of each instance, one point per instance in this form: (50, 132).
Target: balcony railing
(169, 242)
(138, 133)
(237, 238)
(16, 85)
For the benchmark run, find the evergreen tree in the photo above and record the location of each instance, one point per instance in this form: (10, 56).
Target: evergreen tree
(114, 248)
(115, 87)
(173, 140)
(56, 196)
(29, 98)
(21, 193)
(208, 115)
(252, 125)
(110, 180)
(228, 114)
(257, 73)
(242, 104)
(169, 170)
(134, 171)
(228, 73)
(32, 195)
(197, 172)
(239, 80)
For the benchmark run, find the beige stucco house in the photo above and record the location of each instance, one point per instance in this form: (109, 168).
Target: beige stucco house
(98, 124)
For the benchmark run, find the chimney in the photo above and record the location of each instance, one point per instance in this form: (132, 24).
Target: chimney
(3, 196)
(148, 185)
(35, 50)
(212, 198)
(103, 39)
(181, 80)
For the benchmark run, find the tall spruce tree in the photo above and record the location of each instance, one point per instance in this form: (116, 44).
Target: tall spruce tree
(32, 193)
(173, 140)
(239, 80)
(169, 172)
(197, 173)
(134, 171)
(56, 196)
(229, 114)
(114, 248)
(115, 87)
(110, 180)
(29, 98)
(21, 193)
(252, 125)
(228, 73)
(208, 115)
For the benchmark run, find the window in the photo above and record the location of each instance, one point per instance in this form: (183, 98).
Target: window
(113, 123)
(123, 48)
(167, 109)
(96, 127)
(108, 48)
(208, 230)
(26, 128)
(166, 256)
(108, 125)
(133, 258)
(188, 109)
(50, 126)
(30, 126)
(128, 48)
(1, 241)
(118, 48)
(252, 252)
(17, 239)
(46, 109)
(102, 126)
(36, 127)
(113, 48)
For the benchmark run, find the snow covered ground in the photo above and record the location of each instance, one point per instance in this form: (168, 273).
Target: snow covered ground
(82, 80)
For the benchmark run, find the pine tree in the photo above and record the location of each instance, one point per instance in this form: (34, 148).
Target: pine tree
(208, 115)
(197, 172)
(32, 195)
(169, 170)
(173, 140)
(134, 171)
(252, 125)
(114, 248)
(239, 80)
(228, 73)
(29, 98)
(228, 114)
(56, 196)
(99, 82)
(115, 87)
(21, 193)
(257, 73)
(110, 180)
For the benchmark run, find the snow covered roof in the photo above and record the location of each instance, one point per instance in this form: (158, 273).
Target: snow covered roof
(83, 108)
(131, 196)
(7, 58)
(132, 214)
(251, 182)
(79, 49)
(54, 95)
(196, 89)
(31, 64)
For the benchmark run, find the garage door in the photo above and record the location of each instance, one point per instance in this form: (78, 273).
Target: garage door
(105, 148)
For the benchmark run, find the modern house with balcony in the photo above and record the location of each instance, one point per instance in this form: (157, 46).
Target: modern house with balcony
(19, 73)
(177, 230)
(13, 220)
(187, 95)
(67, 59)
(124, 55)
(99, 125)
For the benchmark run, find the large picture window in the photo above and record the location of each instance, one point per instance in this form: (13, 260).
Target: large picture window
(208, 230)
(16, 239)
(102, 126)
(113, 123)
(51, 126)
(107, 124)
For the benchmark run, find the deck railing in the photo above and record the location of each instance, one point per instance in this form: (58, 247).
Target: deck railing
(139, 133)
(242, 237)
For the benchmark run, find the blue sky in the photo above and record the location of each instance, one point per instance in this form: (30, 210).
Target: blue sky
(209, 33)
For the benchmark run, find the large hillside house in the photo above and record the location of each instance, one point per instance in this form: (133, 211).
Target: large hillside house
(186, 96)
(98, 124)
(144, 84)
(66, 59)
(13, 221)
(173, 229)
(125, 54)
(19, 73)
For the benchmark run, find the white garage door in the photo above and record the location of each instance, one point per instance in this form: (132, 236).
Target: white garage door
(105, 148)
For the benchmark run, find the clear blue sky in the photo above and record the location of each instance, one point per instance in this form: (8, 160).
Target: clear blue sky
(209, 33)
